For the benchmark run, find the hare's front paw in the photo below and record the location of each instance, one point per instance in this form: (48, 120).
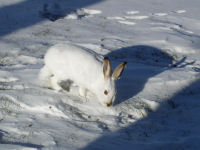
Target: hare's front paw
(54, 84)
(82, 92)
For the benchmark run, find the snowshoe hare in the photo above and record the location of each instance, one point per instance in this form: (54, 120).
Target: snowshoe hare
(87, 69)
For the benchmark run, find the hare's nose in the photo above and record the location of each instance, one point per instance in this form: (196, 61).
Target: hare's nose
(109, 104)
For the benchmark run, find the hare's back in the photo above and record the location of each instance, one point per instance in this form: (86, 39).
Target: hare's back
(64, 58)
(65, 52)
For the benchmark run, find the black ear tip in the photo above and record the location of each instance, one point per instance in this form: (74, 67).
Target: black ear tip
(125, 63)
(106, 58)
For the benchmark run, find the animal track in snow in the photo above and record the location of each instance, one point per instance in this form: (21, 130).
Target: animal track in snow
(165, 14)
(132, 12)
(180, 11)
(127, 22)
(83, 13)
(91, 11)
(133, 15)
(116, 18)
(179, 28)
(136, 17)
(54, 12)
(160, 14)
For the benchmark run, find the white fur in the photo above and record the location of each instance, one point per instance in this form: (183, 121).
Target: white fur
(84, 67)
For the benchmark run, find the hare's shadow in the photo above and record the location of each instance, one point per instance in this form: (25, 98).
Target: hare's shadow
(27, 13)
(144, 62)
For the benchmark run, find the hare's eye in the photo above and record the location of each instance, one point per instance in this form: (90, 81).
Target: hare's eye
(106, 92)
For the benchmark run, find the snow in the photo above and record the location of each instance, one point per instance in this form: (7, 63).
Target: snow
(132, 12)
(180, 11)
(127, 22)
(136, 17)
(83, 13)
(157, 104)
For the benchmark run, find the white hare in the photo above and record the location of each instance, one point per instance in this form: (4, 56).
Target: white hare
(85, 68)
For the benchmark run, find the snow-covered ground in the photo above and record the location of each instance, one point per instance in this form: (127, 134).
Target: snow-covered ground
(158, 99)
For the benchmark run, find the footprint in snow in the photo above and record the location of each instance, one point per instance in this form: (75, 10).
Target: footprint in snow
(132, 12)
(121, 20)
(115, 18)
(180, 11)
(54, 12)
(127, 20)
(165, 14)
(133, 15)
(160, 14)
(83, 13)
(136, 17)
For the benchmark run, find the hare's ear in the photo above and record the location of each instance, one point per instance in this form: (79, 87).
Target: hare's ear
(118, 71)
(107, 68)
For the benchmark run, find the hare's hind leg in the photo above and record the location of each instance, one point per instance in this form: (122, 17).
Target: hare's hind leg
(54, 83)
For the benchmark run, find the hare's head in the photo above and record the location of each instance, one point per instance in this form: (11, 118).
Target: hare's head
(108, 89)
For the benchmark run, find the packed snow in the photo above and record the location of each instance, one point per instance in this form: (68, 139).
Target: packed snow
(157, 103)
